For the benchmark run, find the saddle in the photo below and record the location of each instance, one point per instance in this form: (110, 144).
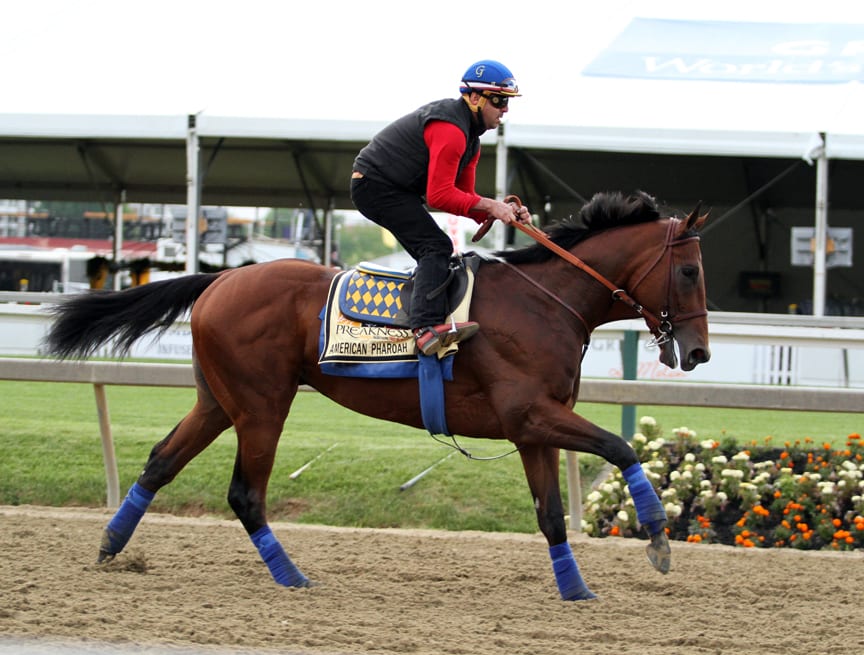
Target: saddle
(380, 295)
(365, 328)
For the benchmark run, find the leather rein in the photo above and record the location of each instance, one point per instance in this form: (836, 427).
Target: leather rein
(661, 328)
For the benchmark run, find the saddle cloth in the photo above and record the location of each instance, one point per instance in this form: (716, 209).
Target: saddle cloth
(364, 323)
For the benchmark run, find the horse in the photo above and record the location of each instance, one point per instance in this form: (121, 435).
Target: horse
(255, 332)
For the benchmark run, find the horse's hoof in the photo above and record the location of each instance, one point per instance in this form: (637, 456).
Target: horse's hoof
(105, 557)
(659, 553)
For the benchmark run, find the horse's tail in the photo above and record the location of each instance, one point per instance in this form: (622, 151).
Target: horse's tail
(87, 321)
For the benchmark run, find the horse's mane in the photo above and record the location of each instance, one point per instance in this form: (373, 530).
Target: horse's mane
(604, 211)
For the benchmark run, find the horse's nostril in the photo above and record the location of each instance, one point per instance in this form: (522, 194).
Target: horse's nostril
(700, 356)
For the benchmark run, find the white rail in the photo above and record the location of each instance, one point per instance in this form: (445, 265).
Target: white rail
(618, 392)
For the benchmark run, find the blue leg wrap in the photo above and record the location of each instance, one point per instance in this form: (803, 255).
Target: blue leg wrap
(649, 509)
(281, 567)
(119, 530)
(431, 377)
(570, 582)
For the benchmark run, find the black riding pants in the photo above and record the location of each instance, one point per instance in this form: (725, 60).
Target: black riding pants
(406, 217)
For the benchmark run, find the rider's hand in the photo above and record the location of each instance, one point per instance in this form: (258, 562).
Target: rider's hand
(520, 213)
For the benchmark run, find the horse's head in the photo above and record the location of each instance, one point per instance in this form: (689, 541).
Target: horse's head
(656, 271)
(672, 288)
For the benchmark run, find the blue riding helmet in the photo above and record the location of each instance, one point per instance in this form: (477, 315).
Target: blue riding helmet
(489, 76)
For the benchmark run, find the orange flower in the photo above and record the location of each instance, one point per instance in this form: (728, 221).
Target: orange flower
(836, 523)
(615, 531)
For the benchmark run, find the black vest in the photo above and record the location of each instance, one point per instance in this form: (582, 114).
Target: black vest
(397, 155)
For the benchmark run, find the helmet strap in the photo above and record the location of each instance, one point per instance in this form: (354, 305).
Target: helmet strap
(476, 108)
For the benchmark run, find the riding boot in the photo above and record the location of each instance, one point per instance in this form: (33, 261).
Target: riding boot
(429, 308)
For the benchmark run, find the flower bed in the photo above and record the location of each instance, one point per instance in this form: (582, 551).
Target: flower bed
(800, 495)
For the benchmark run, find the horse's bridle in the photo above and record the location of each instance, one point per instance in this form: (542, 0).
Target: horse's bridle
(661, 328)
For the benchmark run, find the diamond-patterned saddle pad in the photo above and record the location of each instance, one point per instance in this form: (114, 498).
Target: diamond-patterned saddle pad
(374, 295)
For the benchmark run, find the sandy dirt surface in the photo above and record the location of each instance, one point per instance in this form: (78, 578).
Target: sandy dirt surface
(197, 585)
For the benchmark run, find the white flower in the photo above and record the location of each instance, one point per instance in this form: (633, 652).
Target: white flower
(741, 456)
(594, 496)
(648, 421)
(587, 528)
(641, 438)
(687, 475)
(656, 444)
(732, 473)
(719, 459)
(668, 493)
(689, 457)
(673, 510)
(849, 465)
(705, 484)
(623, 516)
(674, 475)
(722, 497)
(700, 467)
(607, 488)
(708, 444)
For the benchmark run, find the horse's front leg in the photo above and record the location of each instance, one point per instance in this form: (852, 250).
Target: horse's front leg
(541, 470)
(256, 450)
(574, 432)
(649, 508)
(570, 431)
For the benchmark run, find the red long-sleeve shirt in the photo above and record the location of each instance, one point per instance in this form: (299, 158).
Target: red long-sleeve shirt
(444, 190)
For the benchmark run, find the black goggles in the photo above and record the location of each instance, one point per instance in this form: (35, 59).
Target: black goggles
(499, 102)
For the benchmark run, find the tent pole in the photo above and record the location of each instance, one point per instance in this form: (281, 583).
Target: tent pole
(820, 231)
(118, 237)
(500, 184)
(193, 195)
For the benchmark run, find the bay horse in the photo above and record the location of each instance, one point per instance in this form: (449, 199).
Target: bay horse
(255, 334)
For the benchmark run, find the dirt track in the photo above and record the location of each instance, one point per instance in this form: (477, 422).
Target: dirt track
(199, 583)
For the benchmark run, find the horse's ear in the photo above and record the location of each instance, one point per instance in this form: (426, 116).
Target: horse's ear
(694, 221)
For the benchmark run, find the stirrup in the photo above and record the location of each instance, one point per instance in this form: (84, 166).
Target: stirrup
(430, 340)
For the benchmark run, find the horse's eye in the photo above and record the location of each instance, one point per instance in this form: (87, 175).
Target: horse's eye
(690, 272)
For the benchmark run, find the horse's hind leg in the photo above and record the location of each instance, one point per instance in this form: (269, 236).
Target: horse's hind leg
(193, 434)
(541, 469)
(257, 438)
